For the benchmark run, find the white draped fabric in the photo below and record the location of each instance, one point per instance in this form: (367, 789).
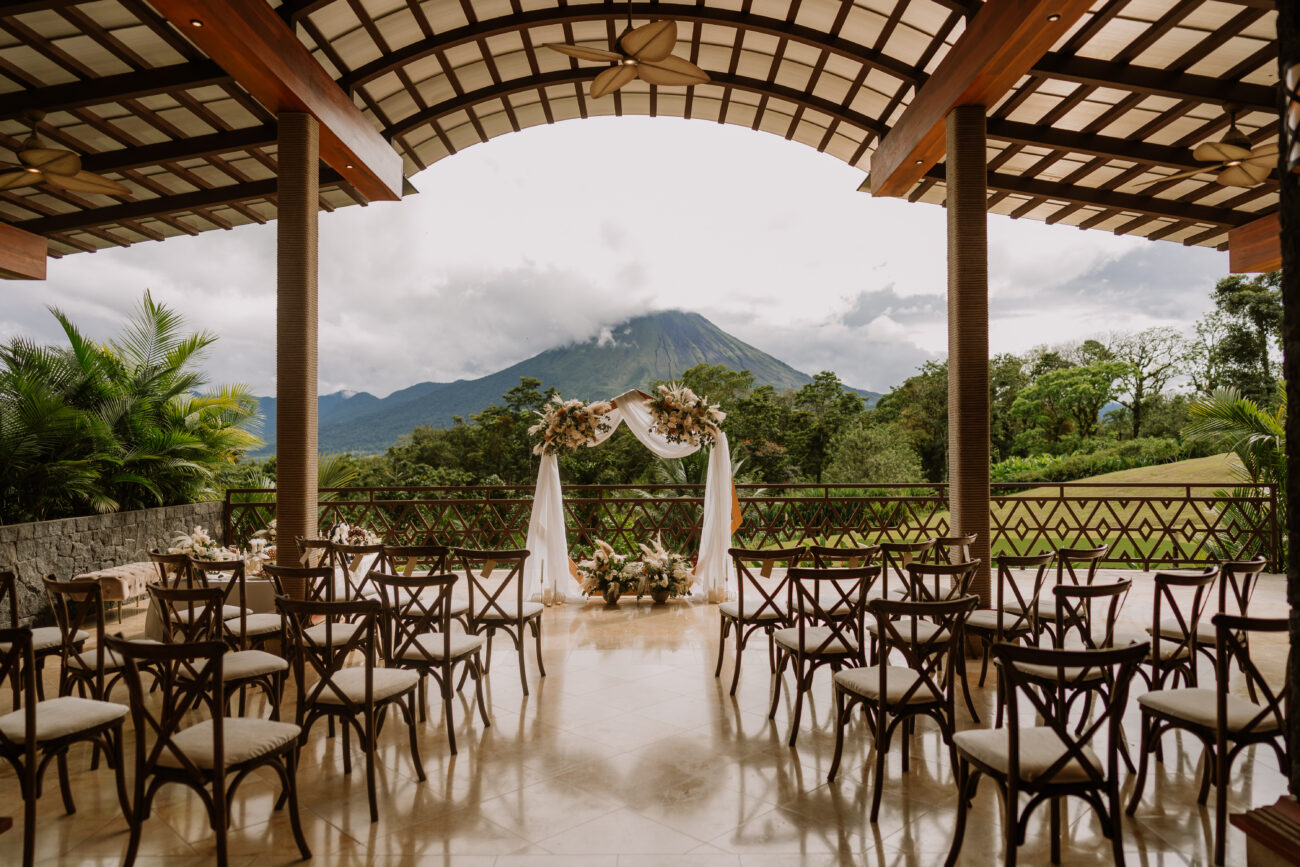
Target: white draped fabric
(546, 572)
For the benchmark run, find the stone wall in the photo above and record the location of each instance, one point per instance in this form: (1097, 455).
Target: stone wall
(71, 546)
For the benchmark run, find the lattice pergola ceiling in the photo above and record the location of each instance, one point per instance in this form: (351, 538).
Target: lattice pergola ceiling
(1121, 98)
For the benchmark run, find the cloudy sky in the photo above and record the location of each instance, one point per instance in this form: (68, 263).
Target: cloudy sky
(545, 237)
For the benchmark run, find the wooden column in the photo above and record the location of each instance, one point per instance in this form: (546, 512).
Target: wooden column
(1288, 40)
(968, 334)
(295, 333)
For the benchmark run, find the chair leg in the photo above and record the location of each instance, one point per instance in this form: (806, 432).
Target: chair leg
(1144, 747)
(69, 806)
(523, 674)
(291, 787)
(1220, 801)
(1116, 829)
(537, 640)
(984, 660)
(841, 720)
(740, 646)
(965, 686)
(781, 659)
(964, 795)
(28, 775)
(119, 769)
(478, 688)
(877, 785)
(446, 690)
(368, 747)
(799, 687)
(410, 727)
(723, 623)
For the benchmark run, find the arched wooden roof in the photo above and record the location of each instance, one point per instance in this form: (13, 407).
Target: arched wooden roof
(1120, 98)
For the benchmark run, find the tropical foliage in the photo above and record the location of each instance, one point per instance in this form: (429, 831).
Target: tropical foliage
(101, 427)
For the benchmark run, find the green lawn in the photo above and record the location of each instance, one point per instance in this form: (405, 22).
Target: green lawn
(1216, 470)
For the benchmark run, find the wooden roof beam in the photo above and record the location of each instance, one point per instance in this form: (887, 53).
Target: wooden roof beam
(1107, 147)
(161, 206)
(179, 150)
(113, 88)
(249, 41)
(1256, 247)
(22, 254)
(1001, 43)
(1157, 82)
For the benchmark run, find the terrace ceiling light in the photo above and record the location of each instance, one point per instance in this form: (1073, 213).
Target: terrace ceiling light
(58, 167)
(646, 54)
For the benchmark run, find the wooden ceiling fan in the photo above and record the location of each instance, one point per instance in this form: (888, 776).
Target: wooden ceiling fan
(1235, 162)
(646, 53)
(56, 167)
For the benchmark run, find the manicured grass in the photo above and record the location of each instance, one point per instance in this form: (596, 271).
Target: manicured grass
(1216, 471)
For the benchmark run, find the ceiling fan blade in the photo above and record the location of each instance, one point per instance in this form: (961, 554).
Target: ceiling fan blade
(1264, 150)
(20, 178)
(87, 182)
(672, 70)
(584, 53)
(55, 160)
(1243, 175)
(653, 41)
(611, 80)
(1177, 177)
(1219, 152)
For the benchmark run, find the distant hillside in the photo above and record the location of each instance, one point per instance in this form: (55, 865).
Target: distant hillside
(641, 350)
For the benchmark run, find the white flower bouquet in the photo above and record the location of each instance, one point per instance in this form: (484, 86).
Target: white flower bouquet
(664, 570)
(266, 534)
(682, 416)
(344, 534)
(199, 545)
(568, 425)
(603, 569)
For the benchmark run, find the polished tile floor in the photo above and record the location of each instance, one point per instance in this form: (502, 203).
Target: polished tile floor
(630, 753)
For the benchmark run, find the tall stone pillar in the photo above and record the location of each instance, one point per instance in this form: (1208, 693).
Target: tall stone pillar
(968, 334)
(295, 332)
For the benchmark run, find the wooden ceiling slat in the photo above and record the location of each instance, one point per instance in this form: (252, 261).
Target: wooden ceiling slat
(1158, 82)
(113, 88)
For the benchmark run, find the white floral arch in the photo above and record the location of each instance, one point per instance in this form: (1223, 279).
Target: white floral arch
(548, 575)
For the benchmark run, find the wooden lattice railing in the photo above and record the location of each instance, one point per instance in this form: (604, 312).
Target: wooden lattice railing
(1147, 526)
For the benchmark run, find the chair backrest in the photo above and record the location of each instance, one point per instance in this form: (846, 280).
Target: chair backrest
(825, 556)
(349, 627)
(315, 552)
(415, 606)
(189, 676)
(935, 582)
(833, 598)
(9, 594)
(18, 666)
(1051, 707)
(952, 549)
(1186, 614)
(1232, 637)
(927, 651)
(894, 557)
(315, 583)
(414, 559)
(1237, 583)
(235, 592)
(768, 596)
(173, 569)
(188, 615)
(496, 580)
(1079, 565)
(1083, 608)
(1011, 570)
(78, 606)
(351, 559)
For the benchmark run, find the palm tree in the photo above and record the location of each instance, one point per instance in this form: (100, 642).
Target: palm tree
(1258, 438)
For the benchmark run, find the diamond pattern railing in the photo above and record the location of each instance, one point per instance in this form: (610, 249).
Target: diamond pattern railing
(1146, 526)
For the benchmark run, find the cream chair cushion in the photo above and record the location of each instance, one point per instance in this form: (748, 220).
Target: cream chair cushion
(339, 632)
(431, 646)
(531, 609)
(1200, 707)
(245, 738)
(60, 717)
(898, 679)
(388, 682)
(814, 638)
(1040, 747)
(752, 610)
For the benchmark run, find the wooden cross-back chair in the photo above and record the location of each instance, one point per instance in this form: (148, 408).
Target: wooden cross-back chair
(79, 612)
(314, 552)
(927, 634)
(356, 563)
(212, 756)
(173, 569)
(1013, 615)
(952, 549)
(428, 559)
(495, 581)
(894, 558)
(47, 641)
(1175, 626)
(827, 629)
(1074, 566)
(762, 601)
(418, 636)
(41, 731)
(1223, 722)
(357, 696)
(1054, 758)
(826, 556)
(244, 628)
(938, 582)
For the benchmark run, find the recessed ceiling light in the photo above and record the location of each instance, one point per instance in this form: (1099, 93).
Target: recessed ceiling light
(194, 22)
(918, 162)
(350, 165)
(1054, 17)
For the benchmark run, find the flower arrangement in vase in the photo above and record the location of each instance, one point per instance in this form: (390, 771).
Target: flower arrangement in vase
(199, 545)
(682, 416)
(602, 573)
(664, 573)
(568, 425)
(343, 533)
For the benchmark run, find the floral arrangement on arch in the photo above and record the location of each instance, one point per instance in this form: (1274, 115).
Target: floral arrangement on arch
(682, 416)
(568, 425)
(663, 569)
(343, 533)
(199, 545)
(603, 569)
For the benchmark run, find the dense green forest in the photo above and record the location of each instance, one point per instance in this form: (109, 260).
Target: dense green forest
(1057, 413)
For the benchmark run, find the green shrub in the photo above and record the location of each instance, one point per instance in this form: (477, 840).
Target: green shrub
(1143, 452)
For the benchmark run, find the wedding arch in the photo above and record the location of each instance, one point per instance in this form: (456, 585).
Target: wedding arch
(674, 424)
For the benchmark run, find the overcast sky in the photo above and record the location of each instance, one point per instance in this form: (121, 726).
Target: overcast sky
(545, 237)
